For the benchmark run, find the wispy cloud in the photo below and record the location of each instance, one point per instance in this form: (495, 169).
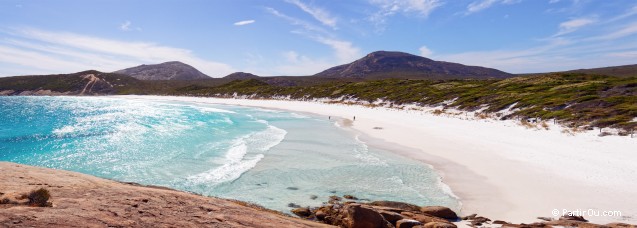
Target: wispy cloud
(127, 26)
(625, 31)
(63, 52)
(553, 54)
(480, 5)
(573, 25)
(344, 51)
(390, 7)
(246, 22)
(295, 21)
(318, 13)
(297, 64)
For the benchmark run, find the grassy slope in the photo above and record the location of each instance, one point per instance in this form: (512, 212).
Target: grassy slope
(578, 99)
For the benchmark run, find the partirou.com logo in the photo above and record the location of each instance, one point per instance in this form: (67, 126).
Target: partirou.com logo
(586, 213)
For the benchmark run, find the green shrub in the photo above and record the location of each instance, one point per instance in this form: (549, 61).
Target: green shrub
(39, 198)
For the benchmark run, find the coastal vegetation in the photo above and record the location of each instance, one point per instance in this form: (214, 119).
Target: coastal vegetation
(575, 99)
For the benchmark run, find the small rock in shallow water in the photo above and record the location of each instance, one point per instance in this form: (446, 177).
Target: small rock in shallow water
(351, 197)
(293, 205)
(293, 188)
(313, 197)
(302, 212)
(469, 217)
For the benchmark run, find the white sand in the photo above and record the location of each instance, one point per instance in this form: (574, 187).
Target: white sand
(499, 169)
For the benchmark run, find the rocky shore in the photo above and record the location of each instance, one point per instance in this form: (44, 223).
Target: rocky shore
(41, 197)
(78, 200)
(349, 212)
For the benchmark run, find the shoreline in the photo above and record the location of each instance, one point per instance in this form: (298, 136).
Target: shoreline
(498, 169)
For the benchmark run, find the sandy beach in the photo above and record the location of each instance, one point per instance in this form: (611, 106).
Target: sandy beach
(498, 169)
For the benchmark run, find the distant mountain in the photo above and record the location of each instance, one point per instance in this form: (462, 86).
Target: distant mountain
(164, 71)
(89, 82)
(618, 71)
(386, 64)
(241, 76)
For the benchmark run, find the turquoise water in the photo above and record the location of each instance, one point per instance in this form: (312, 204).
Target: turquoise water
(267, 157)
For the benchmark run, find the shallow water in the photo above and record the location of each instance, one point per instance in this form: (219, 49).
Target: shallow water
(267, 157)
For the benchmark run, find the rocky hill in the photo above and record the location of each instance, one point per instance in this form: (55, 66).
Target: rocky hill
(241, 76)
(385, 64)
(82, 83)
(164, 71)
(78, 200)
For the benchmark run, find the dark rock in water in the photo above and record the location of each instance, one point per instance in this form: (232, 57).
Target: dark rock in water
(313, 197)
(357, 216)
(351, 197)
(302, 212)
(293, 205)
(407, 223)
(394, 204)
(438, 211)
(292, 188)
(332, 191)
(439, 225)
(334, 199)
(500, 222)
(573, 218)
(469, 217)
(320, 215)
(477, 221)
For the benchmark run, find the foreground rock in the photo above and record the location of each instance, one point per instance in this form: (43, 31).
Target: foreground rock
(389, 214)
(79, 200)
(380, 214)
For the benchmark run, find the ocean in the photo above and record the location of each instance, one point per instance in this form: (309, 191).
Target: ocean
(268, 157)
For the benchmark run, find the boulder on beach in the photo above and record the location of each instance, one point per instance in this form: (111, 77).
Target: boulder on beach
(358, 216)
(438, 211)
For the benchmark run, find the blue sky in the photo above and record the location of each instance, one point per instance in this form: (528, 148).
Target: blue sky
(303, 37)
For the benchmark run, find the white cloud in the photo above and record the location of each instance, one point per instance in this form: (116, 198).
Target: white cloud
(299, 65)
(573, 25)
(319, 14)
(344, 50)
(625, 54)
(554, 54)
(425, 51)
(625, 31)
(391, 7)
(62, 52)
(553, 1)
(125, 26)
(295, 21)
(246, 22)
(480, 5)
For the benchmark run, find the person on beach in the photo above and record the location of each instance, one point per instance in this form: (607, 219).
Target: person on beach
(354, 118)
